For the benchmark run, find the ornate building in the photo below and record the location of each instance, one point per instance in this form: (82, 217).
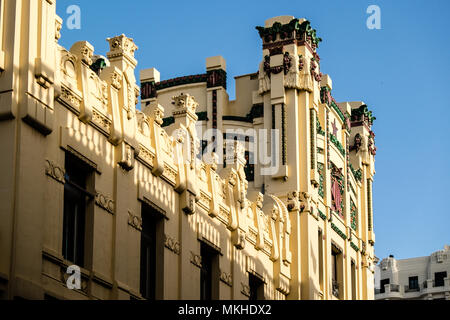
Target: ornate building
(139, 198)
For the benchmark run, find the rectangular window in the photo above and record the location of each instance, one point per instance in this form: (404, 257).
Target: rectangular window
(320, 248)
(353, 275)
(209, 273)
(249, 168)
(413, 283)
(152, 253)
(337, 274)
(439, 278)
(256, 285)
(78, 195)
(382, 283)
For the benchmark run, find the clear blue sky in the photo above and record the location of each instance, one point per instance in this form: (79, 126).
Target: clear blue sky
(401, 72)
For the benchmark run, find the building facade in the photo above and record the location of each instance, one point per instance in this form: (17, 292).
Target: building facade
(139, 200)
(422, 278)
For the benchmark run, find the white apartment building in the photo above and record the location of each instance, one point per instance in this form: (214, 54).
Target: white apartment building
(415, 278)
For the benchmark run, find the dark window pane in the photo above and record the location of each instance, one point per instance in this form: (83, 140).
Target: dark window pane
(382, 283)
(75, 202)
(256, 288)
(148, 256)
(413, 282)
(206, 273)
(439, 278)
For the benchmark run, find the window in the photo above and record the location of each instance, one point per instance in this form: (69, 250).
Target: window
(336, 269)
(439, 278)
(256, 285)
(249, 168)
(382, 283)
(320, 248)
(77, 198)
(353, 275)
(209, 273)
(413, 283)
(152, 253)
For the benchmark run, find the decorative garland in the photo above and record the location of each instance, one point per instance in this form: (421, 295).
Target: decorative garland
(338, 231)
(322, 215)
(363, 114)
(356, 173)
(353, 215)
(319, 128)
(320, 170)
(286, 31)
(354, 246)
(337, 144)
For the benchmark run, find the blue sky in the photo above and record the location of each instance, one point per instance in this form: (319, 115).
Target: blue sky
(401, 72)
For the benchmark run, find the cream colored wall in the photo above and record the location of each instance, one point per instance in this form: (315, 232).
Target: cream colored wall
(66, 107)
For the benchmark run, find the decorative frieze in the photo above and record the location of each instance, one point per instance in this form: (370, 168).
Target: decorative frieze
(54, 171)
(134, 221)
(70, 99)
(146, 156)
(172, 244)
(104, 202)
(245, 289)
(102, 121)
(226, 278)
(196, 259)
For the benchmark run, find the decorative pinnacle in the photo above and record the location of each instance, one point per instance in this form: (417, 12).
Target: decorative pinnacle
(120, 46)
(184, 103)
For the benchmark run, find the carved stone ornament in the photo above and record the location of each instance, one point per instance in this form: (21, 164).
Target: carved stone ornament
(185, 103)
(121, 46)
(54, 171)
(358, 143)
(264, 75)
(58, 27)
(293, 201)
(226, 278)
(134, 221)
(196, 260)
(84, 51)
(245, 289)
(127, 161)
(172, 244)
(105, 202)
(238, 239)
(116, 80)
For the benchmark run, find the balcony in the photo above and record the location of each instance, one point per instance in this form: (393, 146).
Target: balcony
(390, 291)
(394, 288)
(412, 289)
(427, 288)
